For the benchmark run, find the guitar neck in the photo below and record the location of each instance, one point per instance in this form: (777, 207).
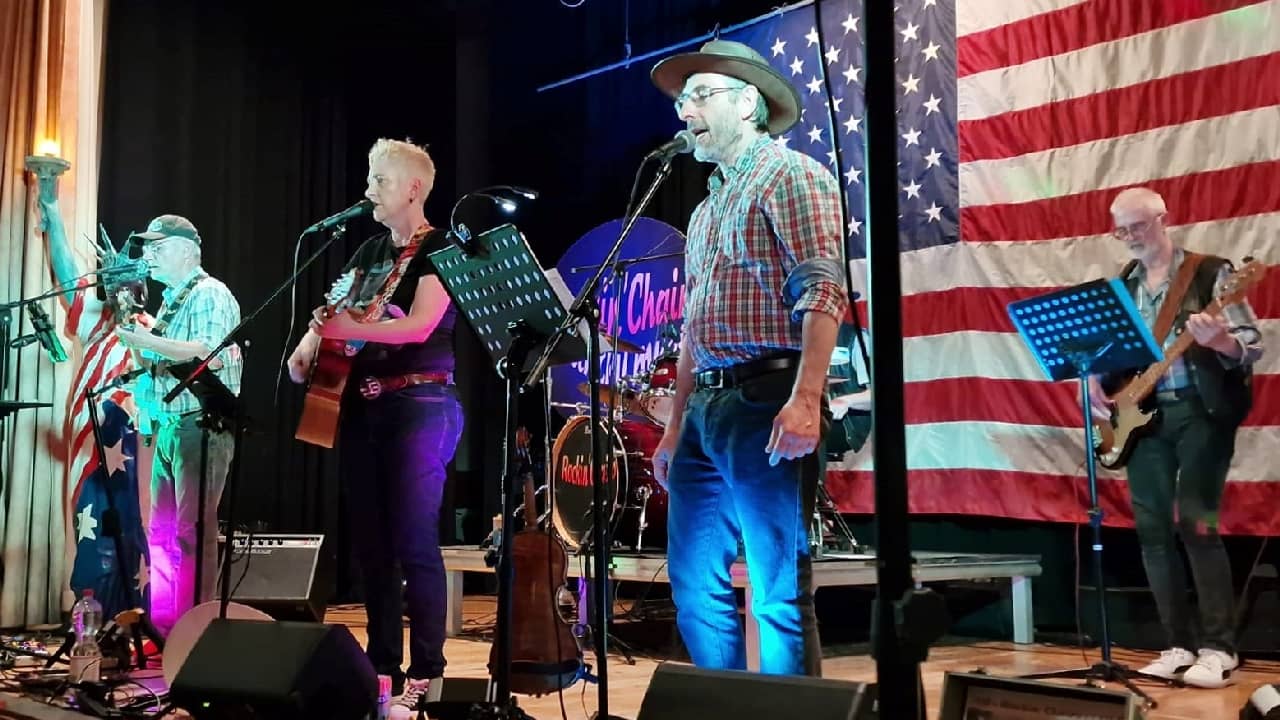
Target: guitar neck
(530, 506)
(1146, 382)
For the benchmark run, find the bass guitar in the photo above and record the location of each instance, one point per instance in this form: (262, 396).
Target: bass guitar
(318, 423)
(1113, 441)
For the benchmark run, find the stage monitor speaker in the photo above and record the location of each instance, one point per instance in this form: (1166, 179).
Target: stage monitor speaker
(977, 696)
(287, 576)
(683, 692)
(251, 670)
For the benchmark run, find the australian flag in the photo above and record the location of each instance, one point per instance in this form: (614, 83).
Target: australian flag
(108, 505)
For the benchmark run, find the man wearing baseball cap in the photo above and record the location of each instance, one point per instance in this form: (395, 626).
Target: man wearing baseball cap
(197, 313)
(743, 452)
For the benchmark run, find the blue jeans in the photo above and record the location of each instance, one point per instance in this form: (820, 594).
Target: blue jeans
(1176, 477)
(393, 453)
(723, 490)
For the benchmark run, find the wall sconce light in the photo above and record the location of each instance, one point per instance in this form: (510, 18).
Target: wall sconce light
(47, 166)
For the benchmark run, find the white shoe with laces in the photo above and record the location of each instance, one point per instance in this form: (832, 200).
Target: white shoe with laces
(1172, 663)
(1212, 669)
(405, 706)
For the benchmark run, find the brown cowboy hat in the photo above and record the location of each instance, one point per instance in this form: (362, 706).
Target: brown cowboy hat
(738, 61)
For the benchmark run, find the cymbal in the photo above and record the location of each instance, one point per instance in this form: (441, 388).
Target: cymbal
(623, 345)
(609, 395)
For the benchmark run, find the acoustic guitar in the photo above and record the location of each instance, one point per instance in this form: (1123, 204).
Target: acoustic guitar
(1113, 441)
(330, 368)
(545, 656)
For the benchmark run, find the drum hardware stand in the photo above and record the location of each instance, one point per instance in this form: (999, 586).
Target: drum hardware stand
(586, 308)
(842, 535)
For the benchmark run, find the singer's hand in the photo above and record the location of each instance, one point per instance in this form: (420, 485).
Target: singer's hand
(133, 339)
(797, 428)
(341, 326)
(300, 363)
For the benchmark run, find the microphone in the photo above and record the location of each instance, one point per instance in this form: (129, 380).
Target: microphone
(360, 208)
(44, 333)
(682, 143)
(121, 380)
(125, 272)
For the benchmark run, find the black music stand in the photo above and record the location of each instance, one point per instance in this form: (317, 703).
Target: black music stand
(1088, 329)
(220, 411)
(504, 295)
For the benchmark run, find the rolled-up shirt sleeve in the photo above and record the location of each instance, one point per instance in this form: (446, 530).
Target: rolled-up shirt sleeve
(804, 211)
(1242, 323)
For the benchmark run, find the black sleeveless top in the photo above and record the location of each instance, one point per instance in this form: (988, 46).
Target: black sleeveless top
(376, 257)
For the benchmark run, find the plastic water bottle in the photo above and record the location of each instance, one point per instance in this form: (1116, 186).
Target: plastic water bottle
(384, 697)
(86, 656)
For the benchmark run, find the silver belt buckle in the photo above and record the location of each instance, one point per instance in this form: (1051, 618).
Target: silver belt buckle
(717, 382)
(370, 388)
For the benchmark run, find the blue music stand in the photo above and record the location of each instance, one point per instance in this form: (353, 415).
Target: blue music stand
(1089, 329)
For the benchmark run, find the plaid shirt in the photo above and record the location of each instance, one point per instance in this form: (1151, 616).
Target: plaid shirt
(209, 313)
(773, 210)
(1240, 319)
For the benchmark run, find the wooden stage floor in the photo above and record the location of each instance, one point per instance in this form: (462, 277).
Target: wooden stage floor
(627, 683)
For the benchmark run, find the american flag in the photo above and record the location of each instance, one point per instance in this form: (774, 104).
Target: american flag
(1018, 124)
(88, 484)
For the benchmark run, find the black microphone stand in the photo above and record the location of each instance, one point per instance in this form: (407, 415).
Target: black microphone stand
(586, 308)
(6, 330)
(233, 471)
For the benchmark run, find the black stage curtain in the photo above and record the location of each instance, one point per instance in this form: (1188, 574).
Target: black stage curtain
(254, 120)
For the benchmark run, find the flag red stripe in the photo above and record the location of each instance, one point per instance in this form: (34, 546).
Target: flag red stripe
(983, 309)
(1123, 111)
(1076, 27)
(1040, 496)
(1200, 197)
(1035, 402)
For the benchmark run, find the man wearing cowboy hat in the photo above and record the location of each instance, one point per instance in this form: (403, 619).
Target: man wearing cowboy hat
(197, 313)
(764, 298)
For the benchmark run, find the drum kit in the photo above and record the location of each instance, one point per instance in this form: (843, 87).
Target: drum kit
(639, 407)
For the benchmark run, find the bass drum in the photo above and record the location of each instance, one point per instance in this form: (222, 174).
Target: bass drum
(638, 504)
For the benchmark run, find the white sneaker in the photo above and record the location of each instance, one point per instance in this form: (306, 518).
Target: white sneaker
(1212, 669)
(405, 706)
(1172, 663)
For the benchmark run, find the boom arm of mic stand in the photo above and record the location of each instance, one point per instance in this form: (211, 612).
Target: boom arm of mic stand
(235, 332)
(579, 310)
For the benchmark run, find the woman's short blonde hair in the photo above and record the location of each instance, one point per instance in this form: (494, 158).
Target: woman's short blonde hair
(408, 157)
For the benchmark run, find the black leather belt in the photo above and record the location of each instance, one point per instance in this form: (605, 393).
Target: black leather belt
(1182, 393)
(734, 375)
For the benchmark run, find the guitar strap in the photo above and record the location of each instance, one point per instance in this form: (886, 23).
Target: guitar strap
(377, 306)
(1173, 299)
(179, 300)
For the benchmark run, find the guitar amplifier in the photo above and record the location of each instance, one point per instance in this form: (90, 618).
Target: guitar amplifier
(289, 577)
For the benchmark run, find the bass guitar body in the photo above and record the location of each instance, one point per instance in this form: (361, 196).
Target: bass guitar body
(1113, 442)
